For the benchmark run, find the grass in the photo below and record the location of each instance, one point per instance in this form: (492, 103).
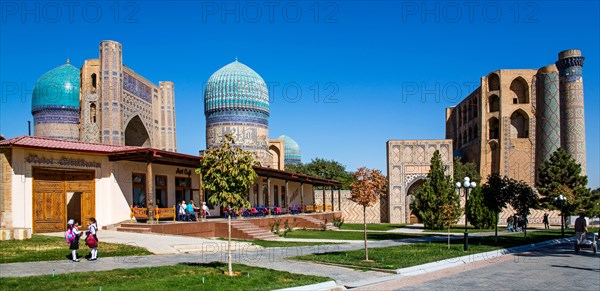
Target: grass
(197, 276)
(49, 248)
(371, 226)
(348, 235)
(461, 228)
(279, 244)
(421, 253)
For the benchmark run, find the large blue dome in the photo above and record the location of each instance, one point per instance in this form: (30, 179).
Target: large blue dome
(236, 88)
(57, 88)
(291, 150)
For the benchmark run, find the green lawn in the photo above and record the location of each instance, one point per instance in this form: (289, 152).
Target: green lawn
(461, 229)
(371, 226)
(347, 235)
(280, 244)
(189, 276)
(49, 248)
(421, 253)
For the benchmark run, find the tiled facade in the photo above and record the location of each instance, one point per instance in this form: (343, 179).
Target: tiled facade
(114, 105)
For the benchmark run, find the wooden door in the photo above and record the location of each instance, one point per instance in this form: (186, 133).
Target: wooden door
(49, 201)
(83, 184)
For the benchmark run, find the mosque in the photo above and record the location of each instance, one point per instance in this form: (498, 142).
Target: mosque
(104, 146)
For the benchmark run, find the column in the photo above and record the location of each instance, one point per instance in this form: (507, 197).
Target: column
(324, 200)
(332, 201)
(339, 199)
(269, 195)
(150, 191)
(302, 196)
(287, 196)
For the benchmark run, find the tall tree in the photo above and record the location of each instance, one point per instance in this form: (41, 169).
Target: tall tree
(496, 196)
(523, 201)
(228, 172)
(479, 215)
(462, 170)
(368, 186)
(436, 194)
(561, 174)
(327, 169)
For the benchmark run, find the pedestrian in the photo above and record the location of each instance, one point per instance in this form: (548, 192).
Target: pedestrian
(580, 228)
(546, 222)
(178, 210)
(182, 210)
(92, 239)
(74, 245)
(205, 211)
(509, 224)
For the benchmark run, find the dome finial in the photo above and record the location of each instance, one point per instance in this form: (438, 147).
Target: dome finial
(236, 58)
(68, 61)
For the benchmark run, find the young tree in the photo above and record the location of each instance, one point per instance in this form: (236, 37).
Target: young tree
(561, 174)
(496, 196)
(436, 193)
(368, 186)
(228, 172)
(462, 170)
(480, 216)
(523, 201)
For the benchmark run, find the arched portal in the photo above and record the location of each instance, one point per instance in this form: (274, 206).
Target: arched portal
(493, 82)
(411, 218)
(276, 153)
(520, 89)
(136, 133)
(519, 124)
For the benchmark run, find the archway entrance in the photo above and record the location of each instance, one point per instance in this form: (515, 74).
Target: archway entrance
(136, 133)
(411, 218)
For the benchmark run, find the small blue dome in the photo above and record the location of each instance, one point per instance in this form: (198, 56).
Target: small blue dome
(57, 88)
(291, 150)
(236, 87)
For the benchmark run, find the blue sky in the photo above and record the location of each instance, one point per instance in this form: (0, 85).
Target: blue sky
(345, 77)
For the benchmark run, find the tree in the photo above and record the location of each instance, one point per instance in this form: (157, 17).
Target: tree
(524, 199)
(480, 216)
(462, 170)
(436, 193)
(496, 196)
(228, 172)
(327, 169)
(368, 186)
(561, 174)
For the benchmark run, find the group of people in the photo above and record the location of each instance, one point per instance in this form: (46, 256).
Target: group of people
(188, 212)
(516, 223)
(73, 235)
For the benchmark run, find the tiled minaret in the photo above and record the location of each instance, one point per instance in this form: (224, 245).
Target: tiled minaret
(572, 122)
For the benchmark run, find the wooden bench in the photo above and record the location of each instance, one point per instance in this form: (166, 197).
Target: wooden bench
(142, 213)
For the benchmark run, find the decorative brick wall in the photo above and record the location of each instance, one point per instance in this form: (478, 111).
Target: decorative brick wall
(5, 188)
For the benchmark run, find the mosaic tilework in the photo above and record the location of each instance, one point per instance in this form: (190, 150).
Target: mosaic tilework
(292, 154)
(572, 108)
(548, 113)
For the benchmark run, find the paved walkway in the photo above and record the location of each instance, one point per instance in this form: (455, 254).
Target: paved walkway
(556, 267)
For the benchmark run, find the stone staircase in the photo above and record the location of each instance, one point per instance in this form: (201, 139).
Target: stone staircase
(251, 231)
(134, 227)
(318, 223)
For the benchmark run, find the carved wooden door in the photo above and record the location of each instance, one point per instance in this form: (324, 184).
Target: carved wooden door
(48, 201)
(82, 183)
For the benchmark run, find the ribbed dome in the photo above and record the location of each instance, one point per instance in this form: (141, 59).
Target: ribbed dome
(57, 88)
(236, 87)
(291, 150)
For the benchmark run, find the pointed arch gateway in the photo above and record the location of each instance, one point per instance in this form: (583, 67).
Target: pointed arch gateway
(136, 133)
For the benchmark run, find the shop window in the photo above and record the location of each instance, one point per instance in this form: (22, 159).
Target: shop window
(161, 191)
(139, 190)
(183, 189)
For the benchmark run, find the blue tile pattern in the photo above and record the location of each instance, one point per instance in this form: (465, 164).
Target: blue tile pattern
(292, 155)
(57, 88)
(237, 88)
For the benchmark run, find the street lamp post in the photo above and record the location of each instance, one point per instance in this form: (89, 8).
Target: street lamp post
(466, 185)
(562, 199)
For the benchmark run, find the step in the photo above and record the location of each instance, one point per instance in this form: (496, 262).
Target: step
(136, 225)
(133, 229)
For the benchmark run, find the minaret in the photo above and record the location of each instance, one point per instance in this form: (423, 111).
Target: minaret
(548, 113)
(111, 92)
(167, 117)
(572, 122)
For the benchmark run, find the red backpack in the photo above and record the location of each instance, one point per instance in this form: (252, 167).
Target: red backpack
(69, 236)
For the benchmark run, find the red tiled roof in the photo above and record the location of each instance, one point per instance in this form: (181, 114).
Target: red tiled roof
(61, 144)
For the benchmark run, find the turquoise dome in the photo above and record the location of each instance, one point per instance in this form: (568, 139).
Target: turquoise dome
(237, 89)
(57, 88)
(291, 150)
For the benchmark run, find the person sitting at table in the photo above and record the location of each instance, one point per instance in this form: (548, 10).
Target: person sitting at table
(205, 211)
(191, 211)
